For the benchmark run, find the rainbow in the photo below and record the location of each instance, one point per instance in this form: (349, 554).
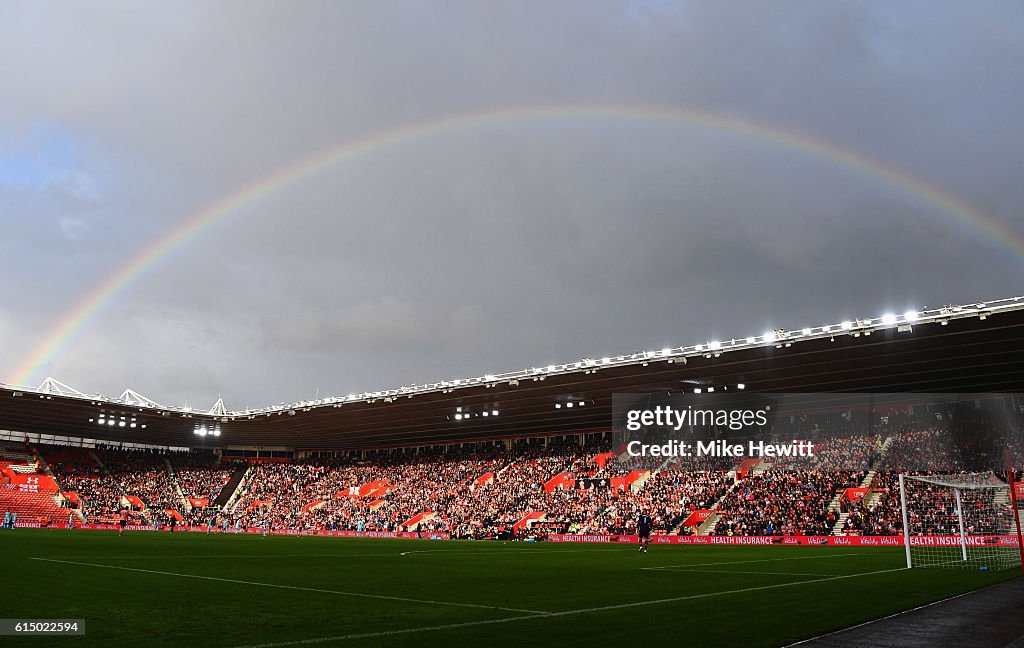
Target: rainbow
(136, 268)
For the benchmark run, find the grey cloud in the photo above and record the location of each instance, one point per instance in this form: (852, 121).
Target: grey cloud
(498, 247)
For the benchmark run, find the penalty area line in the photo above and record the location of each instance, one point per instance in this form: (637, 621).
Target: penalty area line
(732, 571)
(382, 597)
(762, 560)
(553, 615)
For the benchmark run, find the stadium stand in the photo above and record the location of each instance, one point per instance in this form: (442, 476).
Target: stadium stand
(523, 488)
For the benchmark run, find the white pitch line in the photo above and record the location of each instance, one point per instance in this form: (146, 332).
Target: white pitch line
(740, 562)
(295, 587)
(729, 571)
(536, 550)
(189, 557)
(549, 615)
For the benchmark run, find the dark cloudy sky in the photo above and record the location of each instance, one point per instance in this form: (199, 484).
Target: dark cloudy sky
(486, 249)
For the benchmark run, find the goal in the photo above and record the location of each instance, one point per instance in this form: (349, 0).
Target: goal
(960, 520)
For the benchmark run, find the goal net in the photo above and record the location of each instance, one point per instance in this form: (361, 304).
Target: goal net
(961, 520)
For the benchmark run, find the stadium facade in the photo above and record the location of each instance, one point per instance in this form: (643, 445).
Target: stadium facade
(975, 347)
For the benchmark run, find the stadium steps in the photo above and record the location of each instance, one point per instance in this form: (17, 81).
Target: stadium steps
(884, 450)
(870, 477)
(59, 497)
(182, 500)
(232, 489)
(99, 462)
(707, 527)
(1001, 500)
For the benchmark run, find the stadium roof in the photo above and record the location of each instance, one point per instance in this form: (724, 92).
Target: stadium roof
(969, 348)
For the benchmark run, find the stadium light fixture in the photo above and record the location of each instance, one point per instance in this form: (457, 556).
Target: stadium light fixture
(806, 331)
(569, 404)
(486, 413)
(741, 386)
(550, 368)
(494, 412)
(606, 360)
(666, 351)
(696, 390)
(714, 345)
(458, 417)
(558, 406)
(768, 337)
(846, 325)
(888, 319)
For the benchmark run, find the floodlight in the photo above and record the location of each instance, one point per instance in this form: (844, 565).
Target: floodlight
(846, 325)
(888, 319)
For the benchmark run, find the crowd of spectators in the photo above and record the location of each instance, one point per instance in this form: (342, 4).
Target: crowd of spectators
(784, 503)
(106, 487)
(444, 489)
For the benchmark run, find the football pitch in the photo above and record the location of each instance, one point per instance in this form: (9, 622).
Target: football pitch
(160, 589)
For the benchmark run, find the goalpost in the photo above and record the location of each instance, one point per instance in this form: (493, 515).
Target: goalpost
(960, 520)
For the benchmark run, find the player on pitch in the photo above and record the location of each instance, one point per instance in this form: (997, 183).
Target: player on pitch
(643, 530)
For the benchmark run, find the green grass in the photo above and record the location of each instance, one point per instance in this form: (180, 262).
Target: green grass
(565, 594)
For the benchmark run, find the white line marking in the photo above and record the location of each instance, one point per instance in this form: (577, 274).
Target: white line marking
(295, 587)
(548, 615)
(730, 571)
(189, 557)
(740, 562)
(535, 550)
